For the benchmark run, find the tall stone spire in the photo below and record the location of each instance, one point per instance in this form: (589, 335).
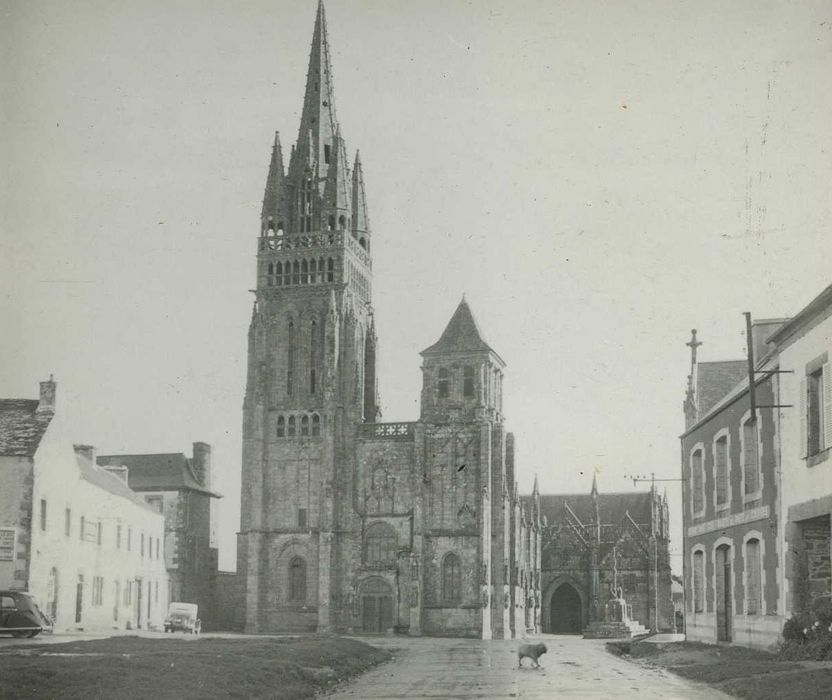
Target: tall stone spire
(360, 219)
(318, 123)
(272, 213)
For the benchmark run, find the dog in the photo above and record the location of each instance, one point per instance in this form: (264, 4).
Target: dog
(532, 651)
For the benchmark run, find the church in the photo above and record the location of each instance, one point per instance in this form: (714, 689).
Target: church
(353, 525)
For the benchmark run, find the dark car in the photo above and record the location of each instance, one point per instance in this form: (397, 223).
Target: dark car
(20, 615)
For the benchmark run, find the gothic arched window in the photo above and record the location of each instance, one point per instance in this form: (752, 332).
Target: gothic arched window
(313, 270)
(281, 427)
(278, 278)
(297, 580)
(271, 274)
(468, 382)
(316, 425)
(330, 270)
(290, 358)
(304, 272)
(304, 425)
(290, 427)
(451, 579)
(313, 355)
(444, 383)
(380, 544)
(321, 270)
(295, 272)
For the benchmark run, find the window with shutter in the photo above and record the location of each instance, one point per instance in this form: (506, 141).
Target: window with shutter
(802, 408)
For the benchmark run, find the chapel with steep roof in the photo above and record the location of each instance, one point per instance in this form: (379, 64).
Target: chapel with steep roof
(348, 523)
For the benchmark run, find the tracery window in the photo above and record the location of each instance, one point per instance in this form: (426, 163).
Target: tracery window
(380, 544)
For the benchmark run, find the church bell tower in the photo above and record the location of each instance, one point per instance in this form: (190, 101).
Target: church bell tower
(311, 363)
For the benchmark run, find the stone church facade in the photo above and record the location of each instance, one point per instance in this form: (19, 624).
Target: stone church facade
(597, 546)
(347, 523)
(350, 524)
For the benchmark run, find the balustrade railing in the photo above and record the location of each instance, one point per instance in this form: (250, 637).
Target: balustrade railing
(388, 431)
(305, 241)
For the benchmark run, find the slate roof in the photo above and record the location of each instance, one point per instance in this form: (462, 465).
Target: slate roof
(612, 507)
(109, 482)
(21, 426)
(157, 472)
(714, 380)
(461, 334)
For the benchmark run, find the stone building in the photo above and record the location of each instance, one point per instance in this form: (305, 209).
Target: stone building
(729, 492)
(597, 543)
(757, 487)
(179, 487)
(348, 523)
(89, 548)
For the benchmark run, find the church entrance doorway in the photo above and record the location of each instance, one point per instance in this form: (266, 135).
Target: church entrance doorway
(376, 607)
(565, 611)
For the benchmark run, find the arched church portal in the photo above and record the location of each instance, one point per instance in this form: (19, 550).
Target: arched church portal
(565, 611)
(376, 606)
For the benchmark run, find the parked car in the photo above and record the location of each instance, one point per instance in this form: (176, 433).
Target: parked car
(182, 617)
(20, 615)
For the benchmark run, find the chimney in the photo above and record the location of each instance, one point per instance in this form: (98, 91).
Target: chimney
(761, 331)
(201, 463)
(46, 403)
(119, 471)
(85, 451)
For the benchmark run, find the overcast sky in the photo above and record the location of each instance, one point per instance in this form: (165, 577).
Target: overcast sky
(597, 177)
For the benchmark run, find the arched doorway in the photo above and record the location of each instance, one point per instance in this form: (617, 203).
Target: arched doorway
(724, 581)
(565, 611)
(376, 606)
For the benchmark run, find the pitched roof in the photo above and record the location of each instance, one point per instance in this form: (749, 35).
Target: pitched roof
(157, 472)
(461, 334)
(109, 482)
(714, 380)
(612, 507)
(22, 426)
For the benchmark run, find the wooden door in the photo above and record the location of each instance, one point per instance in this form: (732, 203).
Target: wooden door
(722, 574)
(79, 598)
(369, 607)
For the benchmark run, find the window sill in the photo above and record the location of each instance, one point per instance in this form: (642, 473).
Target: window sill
(818, 457)
(751, 497)
(722, 507)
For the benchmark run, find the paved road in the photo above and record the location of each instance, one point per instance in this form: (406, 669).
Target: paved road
(464, 669)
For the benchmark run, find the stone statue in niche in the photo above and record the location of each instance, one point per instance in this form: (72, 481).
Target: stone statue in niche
(414, 594)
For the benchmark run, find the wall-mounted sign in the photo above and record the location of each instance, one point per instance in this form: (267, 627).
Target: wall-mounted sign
(8, 541)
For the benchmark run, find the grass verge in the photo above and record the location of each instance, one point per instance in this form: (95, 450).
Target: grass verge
(132, 668)
(738, 671)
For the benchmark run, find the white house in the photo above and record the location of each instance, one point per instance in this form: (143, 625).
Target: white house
(72, 533)
(804, 345)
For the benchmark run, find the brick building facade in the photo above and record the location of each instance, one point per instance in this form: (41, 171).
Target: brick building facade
(348, 523)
